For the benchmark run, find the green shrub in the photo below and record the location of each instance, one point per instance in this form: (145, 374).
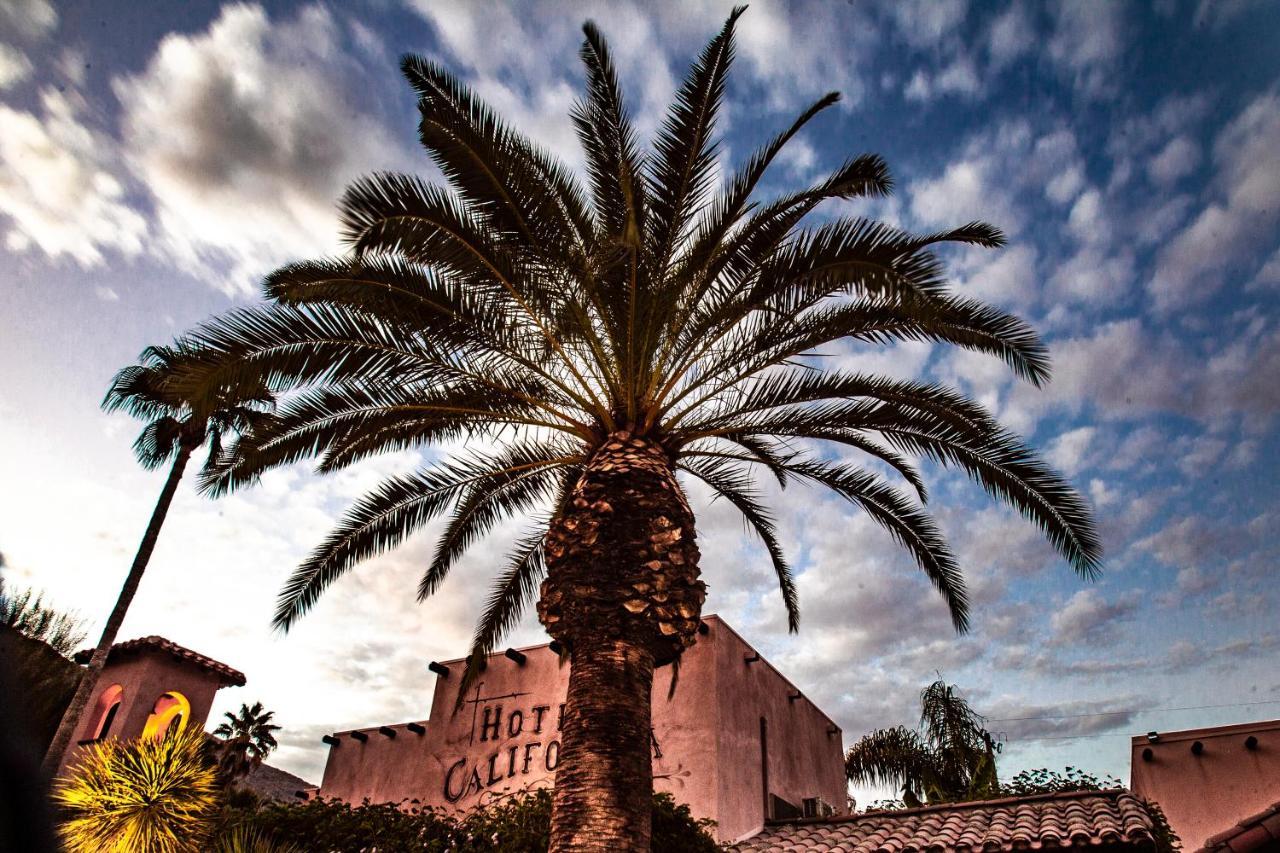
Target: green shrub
(516, 824)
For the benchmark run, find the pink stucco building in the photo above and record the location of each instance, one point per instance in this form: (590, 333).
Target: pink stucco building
(1214, 784)
(736, 741)
(148, 686)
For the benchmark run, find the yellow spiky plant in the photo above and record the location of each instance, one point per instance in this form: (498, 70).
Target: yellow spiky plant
(156, 795)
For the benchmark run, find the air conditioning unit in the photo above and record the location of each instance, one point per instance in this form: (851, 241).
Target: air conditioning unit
(818, 807)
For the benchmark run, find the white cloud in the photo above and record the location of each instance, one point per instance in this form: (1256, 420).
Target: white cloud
(106, 294)
(1176, 160)
(1012, 35)
(1070, 451)
(1241, 219)
(960, 77)
(14, 66)
(926, 23)
(57, 185)
(245, 135)
(27, 20)
(1086, 42)
(1090, 617)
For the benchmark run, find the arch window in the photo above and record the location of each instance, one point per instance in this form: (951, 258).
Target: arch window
(105, 710)
(170, 714)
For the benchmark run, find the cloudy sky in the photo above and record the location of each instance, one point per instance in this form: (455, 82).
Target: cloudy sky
(158, 158)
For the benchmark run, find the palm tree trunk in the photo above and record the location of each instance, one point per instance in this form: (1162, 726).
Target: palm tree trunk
(622, 594)
(89, 678)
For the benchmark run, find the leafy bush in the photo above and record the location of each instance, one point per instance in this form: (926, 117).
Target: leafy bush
(516, 824)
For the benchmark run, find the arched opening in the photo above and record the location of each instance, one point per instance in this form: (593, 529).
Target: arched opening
(104, 712)
(171, 712)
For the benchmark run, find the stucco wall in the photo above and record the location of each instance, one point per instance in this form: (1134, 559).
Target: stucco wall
(1205, 794)
(145, 676)
(706, 738)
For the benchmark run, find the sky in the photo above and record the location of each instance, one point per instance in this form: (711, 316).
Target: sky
(157, 159)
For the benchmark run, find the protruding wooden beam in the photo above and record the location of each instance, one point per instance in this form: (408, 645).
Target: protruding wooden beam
(1148, 754)
(832, 731)
(516, 656)
(331, 740)
(387, 731)
(556, 647)
(439, 669)
(1197, 748)
(704, 628)
(1251, 743)
(417, 728)
(794, 696)
(751, 658)
(360, 736)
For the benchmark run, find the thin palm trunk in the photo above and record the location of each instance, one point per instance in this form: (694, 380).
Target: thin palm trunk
(623, 594)
(89, 678)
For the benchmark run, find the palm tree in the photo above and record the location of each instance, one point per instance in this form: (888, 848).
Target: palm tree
(179, 422)
(247, 739)
(591, 346)
(951, 756)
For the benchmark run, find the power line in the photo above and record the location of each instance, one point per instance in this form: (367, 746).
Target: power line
(1134, 711)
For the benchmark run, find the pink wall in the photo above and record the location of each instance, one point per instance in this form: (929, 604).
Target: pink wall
(145, 676)
(707, 750)
(1205, 794)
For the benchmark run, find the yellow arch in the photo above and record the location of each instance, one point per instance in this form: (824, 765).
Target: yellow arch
(169, 706)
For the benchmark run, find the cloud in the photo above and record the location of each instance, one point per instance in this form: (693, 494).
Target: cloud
(1018, 721)
(27, 20)
(1086, 42)
(58, 185)
(1088, 617)
(958, 78)
(1241, 217)
(1176, 160)
(1012, 35)
(245, 135)
(14, 66)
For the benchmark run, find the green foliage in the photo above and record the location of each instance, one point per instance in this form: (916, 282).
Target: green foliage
(157, 795)
(44, 679)
(515, 824)
(26, 612)
(1043, 781)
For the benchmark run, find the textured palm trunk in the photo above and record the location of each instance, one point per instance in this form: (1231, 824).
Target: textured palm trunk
(622, 594)
(89, 678)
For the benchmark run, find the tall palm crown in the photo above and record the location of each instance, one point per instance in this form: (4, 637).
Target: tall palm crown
(176, 418)
(569, 350)
(535, 321)
(949, 757)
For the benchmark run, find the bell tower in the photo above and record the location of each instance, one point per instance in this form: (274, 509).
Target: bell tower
(149, 687)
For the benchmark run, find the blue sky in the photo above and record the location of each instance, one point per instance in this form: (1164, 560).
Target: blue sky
(158, 158)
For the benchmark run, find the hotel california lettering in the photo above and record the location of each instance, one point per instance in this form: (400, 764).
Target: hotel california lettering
(526, 738)
(736, 740)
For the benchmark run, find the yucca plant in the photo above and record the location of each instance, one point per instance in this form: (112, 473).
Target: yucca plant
(950, 757)
(154, 795)
(178, 423)
(574, 354)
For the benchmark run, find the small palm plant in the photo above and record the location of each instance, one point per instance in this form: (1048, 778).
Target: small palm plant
(247, 739)
(156, 794)
(179, 422)
(576, 353)
(951, 756)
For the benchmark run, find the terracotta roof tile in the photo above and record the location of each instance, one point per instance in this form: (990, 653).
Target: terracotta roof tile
(232, 677)
(1249, 834)
(1076, 819)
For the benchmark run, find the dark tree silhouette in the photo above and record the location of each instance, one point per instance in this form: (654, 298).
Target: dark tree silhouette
(179, 422)
(593, 346)
(248, 737)
(951, 756)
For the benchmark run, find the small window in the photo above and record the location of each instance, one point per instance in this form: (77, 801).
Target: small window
(170, 713)
(104, 712)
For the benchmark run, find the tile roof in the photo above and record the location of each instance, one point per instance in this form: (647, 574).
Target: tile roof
(1252, 833)
(1113, 819)
(232, 677)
